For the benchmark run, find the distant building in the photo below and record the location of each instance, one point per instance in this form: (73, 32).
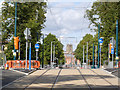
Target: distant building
(69, 56)
(69, 48)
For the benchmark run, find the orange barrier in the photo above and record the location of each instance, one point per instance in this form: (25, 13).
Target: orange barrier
(21, 64)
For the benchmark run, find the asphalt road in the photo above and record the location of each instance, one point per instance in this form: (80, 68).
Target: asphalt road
(9, 76)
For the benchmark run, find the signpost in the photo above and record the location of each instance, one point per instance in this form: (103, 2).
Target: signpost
(26, 33)
(100, 41)
(37, 47)
(112, 41)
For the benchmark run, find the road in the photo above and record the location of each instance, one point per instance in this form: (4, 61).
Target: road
(9, 76)
(92, 79)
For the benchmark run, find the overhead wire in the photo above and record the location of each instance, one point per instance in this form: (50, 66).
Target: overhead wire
(54, 19)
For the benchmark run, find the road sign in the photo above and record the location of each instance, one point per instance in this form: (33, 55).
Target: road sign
(27, 31)
(112, 51)
(100, 40)
(37, 46)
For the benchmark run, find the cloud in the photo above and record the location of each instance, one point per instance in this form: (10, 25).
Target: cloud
(67, 20)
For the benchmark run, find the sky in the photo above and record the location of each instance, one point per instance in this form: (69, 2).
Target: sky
(65, 19)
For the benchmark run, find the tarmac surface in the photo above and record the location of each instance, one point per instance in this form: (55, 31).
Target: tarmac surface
(9, 76)
(88, 79)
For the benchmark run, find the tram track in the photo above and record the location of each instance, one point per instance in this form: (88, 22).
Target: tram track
(101, 77)
(36, 79)
(56, 79)
(89, 87)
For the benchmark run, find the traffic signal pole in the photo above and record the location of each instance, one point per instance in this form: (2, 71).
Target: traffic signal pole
(15, 27)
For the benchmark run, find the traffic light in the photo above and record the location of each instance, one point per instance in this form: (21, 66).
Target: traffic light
(16, 40)
(110, 46)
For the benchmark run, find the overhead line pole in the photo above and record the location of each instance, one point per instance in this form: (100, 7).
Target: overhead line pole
(15, 26)
(93, 55)
(98, 43)
(51, 55)
(117, 42)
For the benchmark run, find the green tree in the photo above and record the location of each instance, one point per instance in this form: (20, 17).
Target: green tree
(105, 14)
(29, 15)
(79, 50)
(58, 49)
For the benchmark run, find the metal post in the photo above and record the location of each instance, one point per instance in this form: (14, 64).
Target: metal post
(30, 56)
(43, 53)
(26, 52)
(93, 55)
(15, 25)
(19, 49)
(83, 54)
(51, 55)
(113, 54)
(26, 46)
(116, 42)
(108, 53)
(98, 43)
(54, 54)
(87, 54)
(100, 56)
(112, 60)
(36, 55)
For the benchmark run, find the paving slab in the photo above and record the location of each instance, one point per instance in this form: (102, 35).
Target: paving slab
(45, 81)
(93, 79)
(70, 78)
(109, 77)
(25, 81)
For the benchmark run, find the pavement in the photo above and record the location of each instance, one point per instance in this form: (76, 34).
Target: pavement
(92, 79)
(114, 71)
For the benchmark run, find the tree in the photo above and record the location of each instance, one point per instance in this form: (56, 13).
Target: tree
(58, 49)
(79, 50)
(29, 15)
(107, 13)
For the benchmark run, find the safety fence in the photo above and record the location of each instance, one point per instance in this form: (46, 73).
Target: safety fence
(15, 64)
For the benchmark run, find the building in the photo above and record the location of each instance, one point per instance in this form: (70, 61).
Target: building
(69, 48)
(69, 56)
